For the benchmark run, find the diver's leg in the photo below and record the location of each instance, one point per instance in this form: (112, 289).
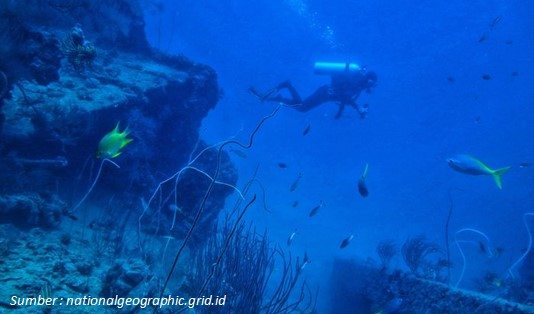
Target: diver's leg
(292, 91)
(320, 96)
(295, 99)
(271, 95)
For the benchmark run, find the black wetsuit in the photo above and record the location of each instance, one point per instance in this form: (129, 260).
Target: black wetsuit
(343, 89)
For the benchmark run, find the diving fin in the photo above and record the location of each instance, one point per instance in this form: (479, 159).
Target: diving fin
(261, 97)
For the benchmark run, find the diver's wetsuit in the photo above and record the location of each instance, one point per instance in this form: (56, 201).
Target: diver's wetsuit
(344, 89)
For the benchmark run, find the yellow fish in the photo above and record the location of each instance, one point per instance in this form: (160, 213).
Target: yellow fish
(111, 144)
(473, 166)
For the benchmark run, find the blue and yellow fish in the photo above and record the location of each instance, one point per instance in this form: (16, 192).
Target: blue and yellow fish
(471, 165)
(111, 144)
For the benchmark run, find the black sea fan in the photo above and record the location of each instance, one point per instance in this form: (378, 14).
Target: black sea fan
(417, 253)
(386, 250)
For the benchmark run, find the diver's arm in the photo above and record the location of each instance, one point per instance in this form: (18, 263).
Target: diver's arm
(362, 110)
(340, 110)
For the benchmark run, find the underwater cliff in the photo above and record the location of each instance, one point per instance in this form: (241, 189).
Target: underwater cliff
(71, 71)
(71, 85)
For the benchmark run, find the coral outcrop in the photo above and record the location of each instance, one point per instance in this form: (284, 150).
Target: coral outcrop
(362, 287)
(52, 120)
(69, 72)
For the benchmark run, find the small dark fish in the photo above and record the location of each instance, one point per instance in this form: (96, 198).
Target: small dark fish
(282, 165)
(451, 79)
(497, 252)
(486, 77)
(239, 153)
(295, 183)
(70, 215)
(483, 38)
(525, 165)
(362, 187)
(515, 73)
(295, 204)
(477, 119)
(495, 21)
(315, 210)
(305, 262)
(306, 130)
(509, 42)
(346, 242)
(291, 236)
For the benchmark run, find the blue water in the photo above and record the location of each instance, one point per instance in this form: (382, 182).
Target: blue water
(430, 104)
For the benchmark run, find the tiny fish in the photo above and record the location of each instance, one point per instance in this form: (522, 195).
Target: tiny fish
(305, 262)
(525, 165)
(238, 153)
(291, 236)
(483, 37)
(497, 252)
(315, 210)
(306, 130)
(486, 77)
(362, 187)
(295, 204)
(111, 144)
(451, 79)
(346, 242)
(175, 208)
(70, 215)
(495, 21)
(282, 165)
(515, 73)
(295, 183)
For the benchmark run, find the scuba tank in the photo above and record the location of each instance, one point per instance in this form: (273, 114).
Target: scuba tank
(331, 68)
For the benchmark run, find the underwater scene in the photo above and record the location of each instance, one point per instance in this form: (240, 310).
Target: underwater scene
(274, 157)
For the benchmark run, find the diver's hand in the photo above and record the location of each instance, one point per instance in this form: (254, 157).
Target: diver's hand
(363, 110)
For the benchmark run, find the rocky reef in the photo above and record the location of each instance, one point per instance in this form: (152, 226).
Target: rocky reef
(70, 82)
(70, 71)
(364, 287)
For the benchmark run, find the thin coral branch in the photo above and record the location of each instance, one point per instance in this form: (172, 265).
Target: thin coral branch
(3, 85)
(386, 250)
(75, 208)
(208, 192)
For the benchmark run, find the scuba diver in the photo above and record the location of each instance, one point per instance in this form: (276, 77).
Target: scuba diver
(348, 80)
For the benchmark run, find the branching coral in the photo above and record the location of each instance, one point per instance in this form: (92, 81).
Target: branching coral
(209, 190)
(417, 253)
(386, 250)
